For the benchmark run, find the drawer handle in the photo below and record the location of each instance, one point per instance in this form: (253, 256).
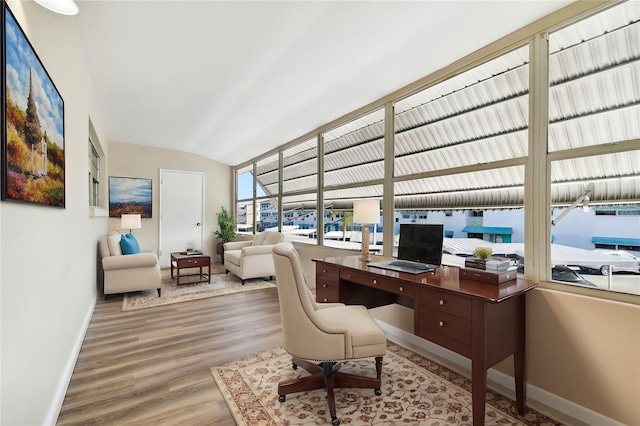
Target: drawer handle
(441, 323)
(324, 300)
(441, 302)
(401, 289)
(324, 271)
(324, 286)
(348, 275)
(375, 281)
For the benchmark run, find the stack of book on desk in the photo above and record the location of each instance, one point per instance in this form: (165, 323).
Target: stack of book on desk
(497, 265)
(475, 262)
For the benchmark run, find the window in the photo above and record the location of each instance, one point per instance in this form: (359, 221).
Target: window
(299, 223)
(462, 153)
(446, 135)
(594, 125)
(94, 176)
(98, 200)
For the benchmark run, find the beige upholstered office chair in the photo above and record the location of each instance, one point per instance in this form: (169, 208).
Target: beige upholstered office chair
(318, 336)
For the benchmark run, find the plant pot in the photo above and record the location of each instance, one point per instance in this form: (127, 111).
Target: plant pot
(220, 251)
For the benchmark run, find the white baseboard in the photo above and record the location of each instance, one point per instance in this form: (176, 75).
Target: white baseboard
(535, 396)
(58, 399)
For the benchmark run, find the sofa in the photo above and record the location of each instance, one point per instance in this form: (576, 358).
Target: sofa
(131, 272)
(253, 258)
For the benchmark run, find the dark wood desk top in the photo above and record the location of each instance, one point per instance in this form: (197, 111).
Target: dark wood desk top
(445, 278)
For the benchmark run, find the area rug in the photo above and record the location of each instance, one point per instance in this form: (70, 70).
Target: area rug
(220, 285)
(415, 391)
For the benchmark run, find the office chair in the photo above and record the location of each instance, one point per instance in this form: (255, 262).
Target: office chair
(320, 336)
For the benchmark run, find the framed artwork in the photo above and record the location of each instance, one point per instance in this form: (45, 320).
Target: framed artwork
(129, 196)
(33, 157)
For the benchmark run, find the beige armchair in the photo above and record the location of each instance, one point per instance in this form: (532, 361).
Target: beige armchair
(131, 272)
(319, 335)
(252, 259)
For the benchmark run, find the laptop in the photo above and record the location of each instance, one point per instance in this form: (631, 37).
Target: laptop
(419, 249)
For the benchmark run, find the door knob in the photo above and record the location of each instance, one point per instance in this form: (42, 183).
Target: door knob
(198, 224)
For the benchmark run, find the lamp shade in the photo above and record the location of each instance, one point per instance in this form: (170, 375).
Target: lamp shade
(63, 7)
(131, 221)
(366, 211)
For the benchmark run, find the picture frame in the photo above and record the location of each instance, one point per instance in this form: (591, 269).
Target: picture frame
(130, 196)
(33, 141)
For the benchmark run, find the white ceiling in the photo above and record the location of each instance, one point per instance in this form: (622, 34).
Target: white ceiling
(231, 80)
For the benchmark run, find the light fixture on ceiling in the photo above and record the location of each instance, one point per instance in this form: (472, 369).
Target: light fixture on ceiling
(63, 7)
(366, 212)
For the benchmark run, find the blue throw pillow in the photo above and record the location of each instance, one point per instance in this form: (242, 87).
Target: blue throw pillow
(129, 244)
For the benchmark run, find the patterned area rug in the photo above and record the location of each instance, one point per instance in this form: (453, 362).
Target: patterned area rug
(415, 391)
(220, 285)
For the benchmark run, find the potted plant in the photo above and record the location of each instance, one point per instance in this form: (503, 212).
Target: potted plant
(226, 231)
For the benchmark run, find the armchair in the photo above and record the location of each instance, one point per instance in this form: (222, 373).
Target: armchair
(131, 272)
(319, 335)
(252, 259)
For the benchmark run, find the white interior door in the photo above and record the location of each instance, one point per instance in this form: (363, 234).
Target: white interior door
(181, 212)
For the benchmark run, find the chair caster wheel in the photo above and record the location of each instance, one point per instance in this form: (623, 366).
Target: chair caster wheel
(335, 421)
(378, 392)
(294, 366)
(282, 398)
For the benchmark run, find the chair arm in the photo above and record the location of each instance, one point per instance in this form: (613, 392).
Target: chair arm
(236, 245)
(139, 260)
(255, 250)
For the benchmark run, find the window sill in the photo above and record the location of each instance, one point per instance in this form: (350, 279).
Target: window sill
(98, 212)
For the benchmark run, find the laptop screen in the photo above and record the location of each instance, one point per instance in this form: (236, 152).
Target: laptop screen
(421, 243)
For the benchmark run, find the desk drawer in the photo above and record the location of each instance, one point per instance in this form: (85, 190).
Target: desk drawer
(446, 302)
(323, 296)
(325, 286)
(446, 342)
(326, 270)
(391, 286)
(445, 324)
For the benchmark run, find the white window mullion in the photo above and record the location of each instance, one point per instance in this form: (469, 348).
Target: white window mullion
(537, 198)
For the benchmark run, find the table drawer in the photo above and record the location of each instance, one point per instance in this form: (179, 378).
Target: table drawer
(445, 324)
(446, 302)
(403, 289)
(189, 263)
(326, 270)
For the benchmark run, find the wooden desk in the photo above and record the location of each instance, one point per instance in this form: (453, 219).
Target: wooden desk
(483, 322)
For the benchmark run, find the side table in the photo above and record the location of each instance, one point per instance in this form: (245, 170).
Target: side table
(182, 260)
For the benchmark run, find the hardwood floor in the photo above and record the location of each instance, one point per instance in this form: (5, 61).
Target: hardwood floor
(151, 366)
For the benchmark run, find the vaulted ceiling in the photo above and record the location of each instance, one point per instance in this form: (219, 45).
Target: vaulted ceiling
(229, 80)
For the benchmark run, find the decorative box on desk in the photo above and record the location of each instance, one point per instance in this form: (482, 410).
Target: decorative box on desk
(488, 277)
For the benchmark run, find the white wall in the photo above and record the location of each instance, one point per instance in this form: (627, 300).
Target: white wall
(48, 255)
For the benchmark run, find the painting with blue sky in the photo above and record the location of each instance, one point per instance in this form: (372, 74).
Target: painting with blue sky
(129, 196)
(33, 138)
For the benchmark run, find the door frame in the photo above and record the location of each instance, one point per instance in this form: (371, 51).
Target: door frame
(160, 221)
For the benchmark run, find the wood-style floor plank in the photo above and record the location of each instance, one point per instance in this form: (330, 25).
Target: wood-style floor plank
(152, 366)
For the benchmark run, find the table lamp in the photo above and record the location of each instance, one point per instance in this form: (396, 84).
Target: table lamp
(366, 212)
(131, 221)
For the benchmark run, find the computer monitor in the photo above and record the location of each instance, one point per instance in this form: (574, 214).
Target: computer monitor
(421, 243)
